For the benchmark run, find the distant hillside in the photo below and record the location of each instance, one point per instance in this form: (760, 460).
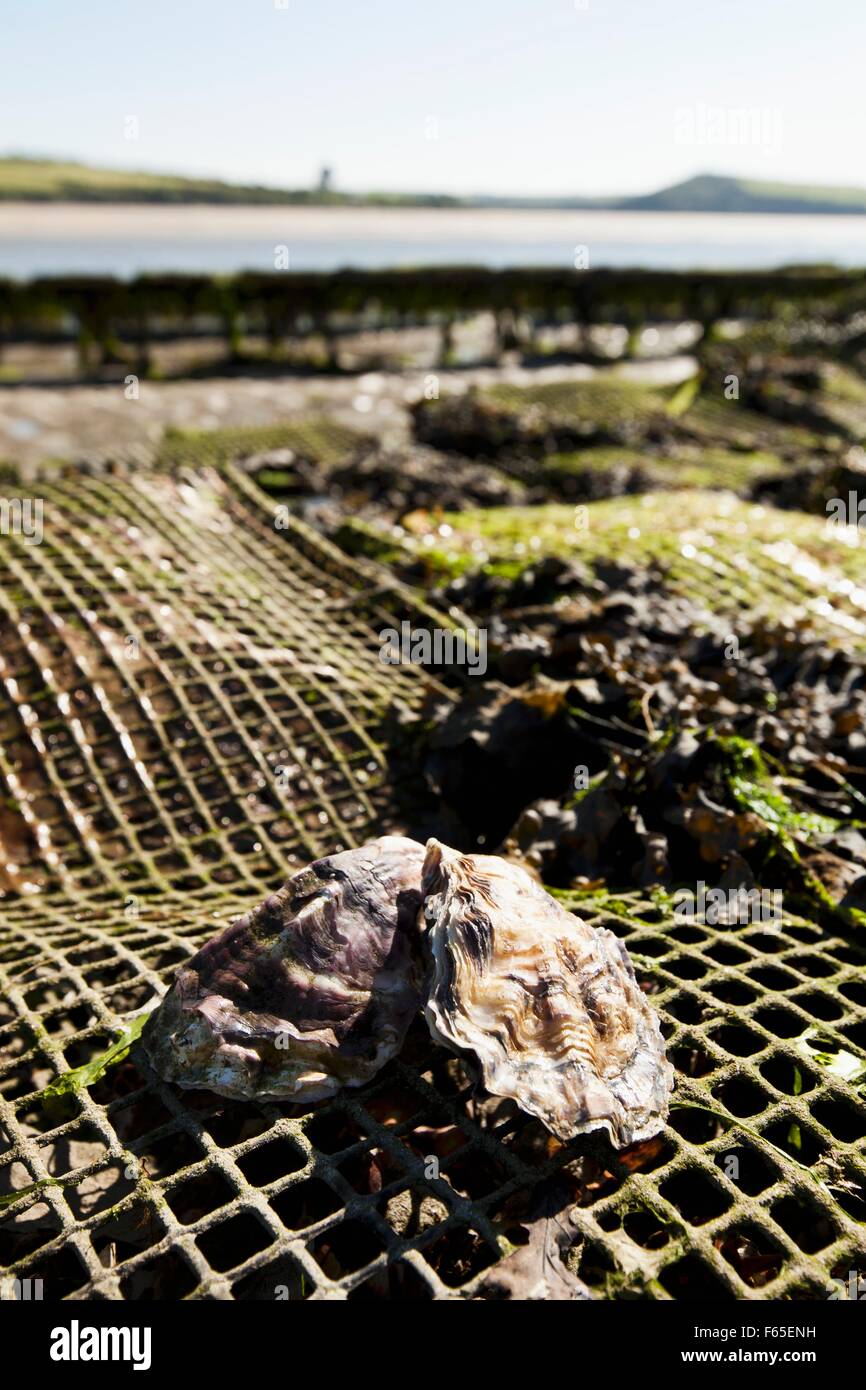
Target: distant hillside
(47, 180)
(711, 193)
(53, 181)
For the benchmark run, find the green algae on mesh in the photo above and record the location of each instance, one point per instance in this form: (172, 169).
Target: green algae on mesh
(662, 898)
(581, 793)
(598, 458)
(710, 419)
(734, 557)
(680, 465)
(753, 788)
(710, 467)
(605, 401)
(357, 537)
(318, 438)
(81, 1078)
(734, 1122)
(843, 383)
(34, 1188)
(684, 396)
(621, 905)
(72, 1179)
(275, 479)
(840, 399)
(833, 1058)
(377, 542)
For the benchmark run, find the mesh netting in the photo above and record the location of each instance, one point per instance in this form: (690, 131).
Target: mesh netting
(168, 673)
(193, 705)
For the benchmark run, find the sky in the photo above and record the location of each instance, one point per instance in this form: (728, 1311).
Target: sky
(461, 96)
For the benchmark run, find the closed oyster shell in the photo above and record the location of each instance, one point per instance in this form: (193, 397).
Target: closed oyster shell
(312, 990)
(547, 1005)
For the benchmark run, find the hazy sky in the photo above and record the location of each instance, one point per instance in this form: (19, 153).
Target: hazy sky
(521, 96)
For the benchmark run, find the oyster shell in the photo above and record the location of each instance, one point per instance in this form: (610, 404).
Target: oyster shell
(547, 1005)
(312, 990)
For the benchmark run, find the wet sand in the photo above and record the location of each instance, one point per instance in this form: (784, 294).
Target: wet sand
(52, 238)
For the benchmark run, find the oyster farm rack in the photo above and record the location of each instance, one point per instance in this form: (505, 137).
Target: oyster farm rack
(165, 653)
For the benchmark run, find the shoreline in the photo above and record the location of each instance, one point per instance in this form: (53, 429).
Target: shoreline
(60, 221)
(125, 240)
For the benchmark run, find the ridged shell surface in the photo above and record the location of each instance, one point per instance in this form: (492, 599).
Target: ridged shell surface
(311, 991)
(548, 1006)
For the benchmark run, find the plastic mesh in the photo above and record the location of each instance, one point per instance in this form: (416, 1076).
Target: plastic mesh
(167, 675)
(165, 651)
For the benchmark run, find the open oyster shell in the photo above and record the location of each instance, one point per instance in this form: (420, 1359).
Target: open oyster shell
(548, 1006)
(312, 990)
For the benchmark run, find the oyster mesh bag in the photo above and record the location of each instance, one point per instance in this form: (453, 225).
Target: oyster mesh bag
(192, 706)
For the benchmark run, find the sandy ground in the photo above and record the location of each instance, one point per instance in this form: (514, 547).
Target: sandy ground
(112, 221)
(95, 423)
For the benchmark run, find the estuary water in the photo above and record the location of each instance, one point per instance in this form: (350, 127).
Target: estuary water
(124, 240)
